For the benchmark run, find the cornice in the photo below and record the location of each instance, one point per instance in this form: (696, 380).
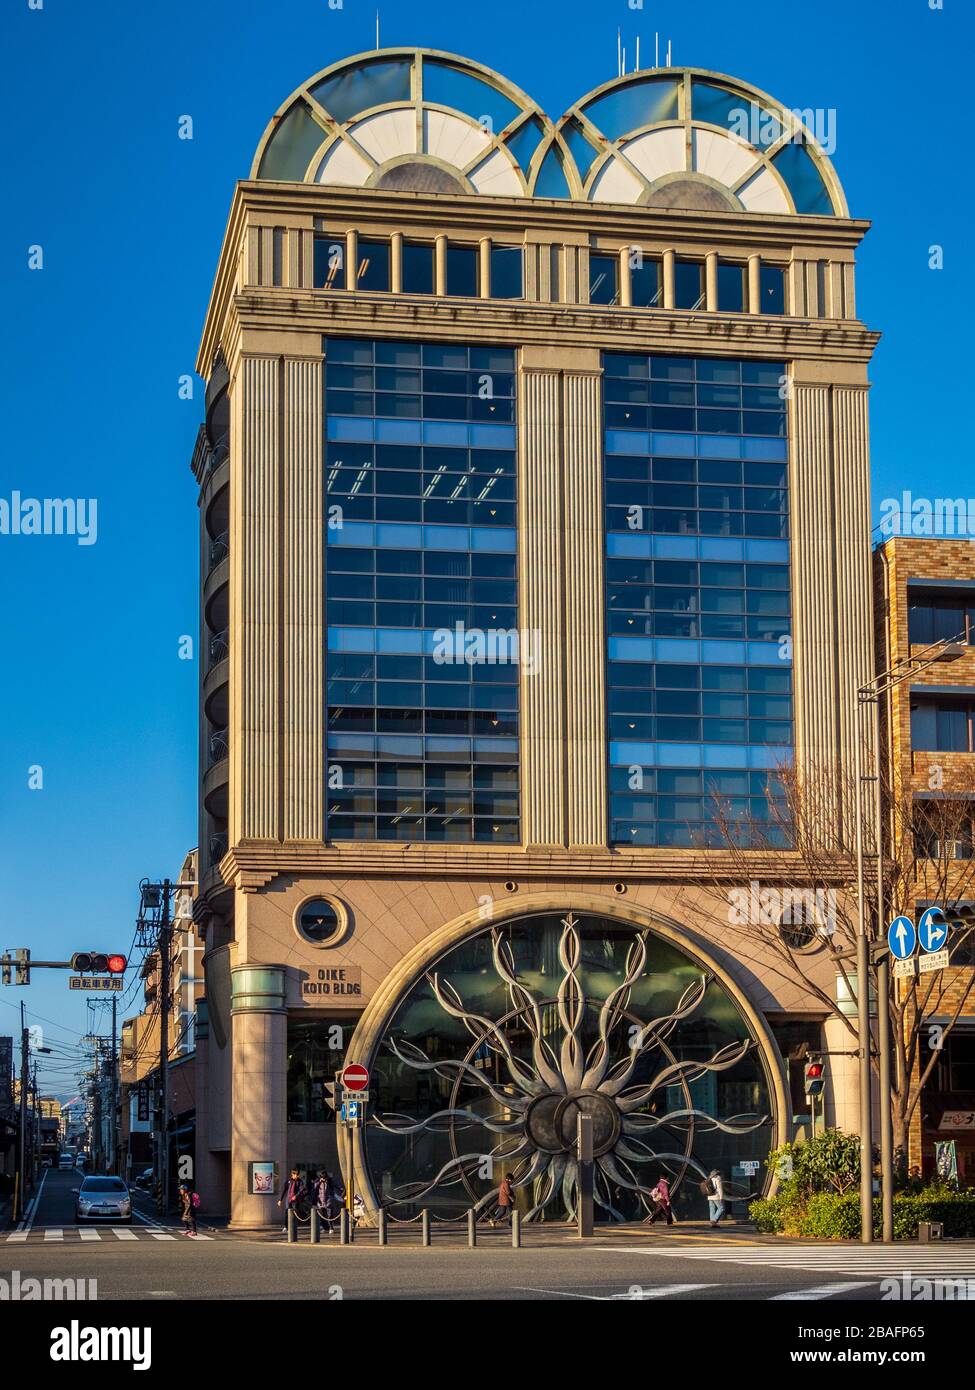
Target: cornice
(523, 324)
(251, 865)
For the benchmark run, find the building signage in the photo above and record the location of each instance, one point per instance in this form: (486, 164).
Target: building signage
(110, 982)
(6, 1070)
(957, 1119)
(334, 982)
(142, 1114)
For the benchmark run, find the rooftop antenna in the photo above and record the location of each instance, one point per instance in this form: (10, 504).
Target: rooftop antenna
(619, 53)
(668, 52)
(377, 28)
(624, 62)
(637, 68)
(656, 50)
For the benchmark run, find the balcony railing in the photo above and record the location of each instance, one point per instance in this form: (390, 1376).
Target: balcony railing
(217, 846)
(218, 747)
(219, 647)
(219, 549)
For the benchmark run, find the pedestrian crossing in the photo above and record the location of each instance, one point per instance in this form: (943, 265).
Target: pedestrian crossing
(944, 1261)
(58, 1235)
(638, 1294)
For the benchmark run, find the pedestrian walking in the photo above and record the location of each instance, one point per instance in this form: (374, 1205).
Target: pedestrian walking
(324, 1197)
(188, 1203)
(660, 1196)
(293, 1194)
(714, 1189)
(506, 1200)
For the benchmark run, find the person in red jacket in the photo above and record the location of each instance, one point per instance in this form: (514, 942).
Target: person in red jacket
(506, 1200)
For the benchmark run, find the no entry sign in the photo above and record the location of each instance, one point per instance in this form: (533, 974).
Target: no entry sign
(355, 1077)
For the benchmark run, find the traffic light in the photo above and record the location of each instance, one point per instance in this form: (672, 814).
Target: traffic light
(83, 961)
(814, 1077)
(332, 1092)
(16, 968)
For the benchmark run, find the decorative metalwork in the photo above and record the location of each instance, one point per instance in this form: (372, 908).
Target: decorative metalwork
(534, 1108)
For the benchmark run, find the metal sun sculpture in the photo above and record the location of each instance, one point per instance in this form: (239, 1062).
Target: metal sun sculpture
(535, 1111)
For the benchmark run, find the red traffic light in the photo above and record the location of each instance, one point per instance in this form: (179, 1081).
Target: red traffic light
(813, 1070)
(116, 965)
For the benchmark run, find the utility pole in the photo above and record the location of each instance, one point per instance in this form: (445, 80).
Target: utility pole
(22, 1157)
(115, 1114)
(164, 954)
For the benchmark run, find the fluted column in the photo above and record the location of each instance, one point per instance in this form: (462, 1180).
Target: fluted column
(832, 597)
(302, 583)
(585, 636)
(540, 503)
(854, 588)
(254, 599)
(813, 580)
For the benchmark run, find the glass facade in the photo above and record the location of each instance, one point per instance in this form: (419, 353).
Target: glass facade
(699, 682)
(421, 592)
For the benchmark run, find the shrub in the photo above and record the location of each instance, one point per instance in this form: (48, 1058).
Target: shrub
(836, 1216)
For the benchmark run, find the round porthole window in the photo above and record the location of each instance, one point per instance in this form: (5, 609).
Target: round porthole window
(321, 921)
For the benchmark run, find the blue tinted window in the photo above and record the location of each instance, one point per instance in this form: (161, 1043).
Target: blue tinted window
(357, 89)
(507, 272)
(411, 707)
(642, 103)
(693, 606)
(417, 268)
(447, 86)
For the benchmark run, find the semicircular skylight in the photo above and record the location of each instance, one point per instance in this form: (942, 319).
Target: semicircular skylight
(424, 121)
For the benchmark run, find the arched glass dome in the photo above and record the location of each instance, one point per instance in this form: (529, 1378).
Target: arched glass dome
(687, 138)
(424, 121)
(411, 119)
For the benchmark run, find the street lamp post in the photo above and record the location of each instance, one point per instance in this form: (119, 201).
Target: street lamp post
(869, 696)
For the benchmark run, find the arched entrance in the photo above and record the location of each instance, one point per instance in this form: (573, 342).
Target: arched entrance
(492, 1037)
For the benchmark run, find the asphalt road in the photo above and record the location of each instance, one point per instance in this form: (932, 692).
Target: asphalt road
(154, 1261)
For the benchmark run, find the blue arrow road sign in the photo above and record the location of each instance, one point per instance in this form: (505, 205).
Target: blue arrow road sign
(350, 1110)
(901, 938)
(933, 929)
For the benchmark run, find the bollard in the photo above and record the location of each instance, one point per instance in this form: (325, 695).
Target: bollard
(344, 1226)
(425, 1227)
(315, 1226)
(381, 1226)
(292, 1226)
(471, 1229)
(515, 1230)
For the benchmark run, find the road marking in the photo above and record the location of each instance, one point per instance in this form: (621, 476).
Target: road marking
(53, 1233)
(823, 1291)
(89, 1235)
(123, 1234)
(17, 1235)
(160, 1235)
(853, 1260)
(665, 1291)
(35, 1202)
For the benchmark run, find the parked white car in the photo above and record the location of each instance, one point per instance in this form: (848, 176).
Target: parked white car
(103, 1199)
(65, 1161)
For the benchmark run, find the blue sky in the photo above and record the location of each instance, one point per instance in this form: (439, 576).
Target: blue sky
(130, 219)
